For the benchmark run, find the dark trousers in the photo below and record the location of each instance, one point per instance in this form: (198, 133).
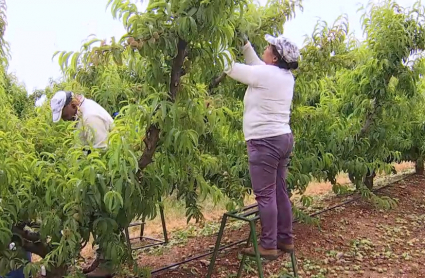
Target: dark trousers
(268, 166)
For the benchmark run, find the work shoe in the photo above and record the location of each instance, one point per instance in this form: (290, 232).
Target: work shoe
(287, 248)
(269, 254)
(100, 272)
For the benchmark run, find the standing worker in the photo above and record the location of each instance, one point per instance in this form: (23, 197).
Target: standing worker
(94, 124)
(267, 131)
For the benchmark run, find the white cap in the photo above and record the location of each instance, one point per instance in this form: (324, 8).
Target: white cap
(287, 49)
(57, 103)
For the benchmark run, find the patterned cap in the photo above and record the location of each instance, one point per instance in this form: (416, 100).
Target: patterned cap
(287, 49)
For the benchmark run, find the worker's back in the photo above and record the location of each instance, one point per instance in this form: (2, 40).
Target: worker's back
(96, 123)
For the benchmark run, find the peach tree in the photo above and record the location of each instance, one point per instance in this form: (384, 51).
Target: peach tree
(357, 95)
(173, 133)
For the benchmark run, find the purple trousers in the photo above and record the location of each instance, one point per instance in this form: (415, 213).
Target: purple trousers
(268, 164)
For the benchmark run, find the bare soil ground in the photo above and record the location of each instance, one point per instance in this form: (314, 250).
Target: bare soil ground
(356, 240)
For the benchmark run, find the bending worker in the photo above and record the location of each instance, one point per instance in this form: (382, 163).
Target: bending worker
(267, 131)
(94, 124)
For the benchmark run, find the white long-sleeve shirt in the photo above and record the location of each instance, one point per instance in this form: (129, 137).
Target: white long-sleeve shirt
(268, 98)
(94, 124)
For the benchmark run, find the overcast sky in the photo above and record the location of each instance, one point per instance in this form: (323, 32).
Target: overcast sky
(38, 28)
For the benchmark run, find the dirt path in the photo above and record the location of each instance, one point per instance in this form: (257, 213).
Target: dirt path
(356, 240)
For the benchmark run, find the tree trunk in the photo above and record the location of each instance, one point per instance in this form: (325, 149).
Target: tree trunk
(352, 179)
(419, 166)
(368, 180)
(57, 272)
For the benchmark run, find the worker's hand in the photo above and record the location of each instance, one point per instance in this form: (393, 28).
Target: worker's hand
(245, 38)
(242, 36)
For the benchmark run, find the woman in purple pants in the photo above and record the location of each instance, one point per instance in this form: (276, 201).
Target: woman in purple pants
(269, 137)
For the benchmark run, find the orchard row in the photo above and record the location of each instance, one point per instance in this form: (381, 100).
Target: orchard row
(358, 108)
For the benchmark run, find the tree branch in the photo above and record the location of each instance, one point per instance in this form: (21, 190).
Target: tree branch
(176, 68)
(369, 119)
(217, 81)
(367, 125)
(31, 242)
(151, 142)
(27, 235)
(152, 134)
